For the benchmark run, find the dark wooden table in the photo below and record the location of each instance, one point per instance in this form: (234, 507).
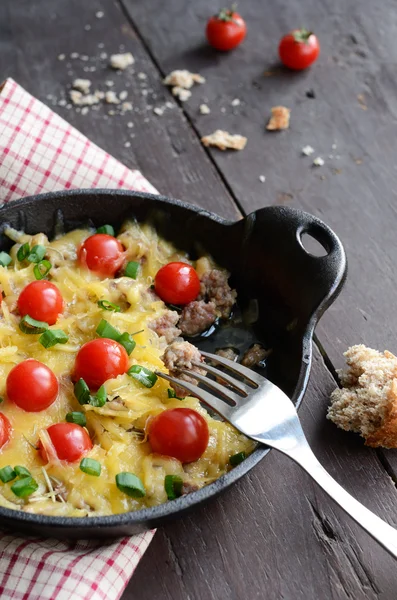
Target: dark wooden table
(274, 535)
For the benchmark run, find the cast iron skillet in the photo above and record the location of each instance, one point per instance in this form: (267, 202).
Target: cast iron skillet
(282, 289)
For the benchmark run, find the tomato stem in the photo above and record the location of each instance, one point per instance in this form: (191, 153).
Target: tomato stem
(302, 35)
(226, 14)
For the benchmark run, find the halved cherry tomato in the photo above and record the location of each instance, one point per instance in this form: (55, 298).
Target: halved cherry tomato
(226, 30)
(101, 253)
(299, 49)
(41, 300)
(177, 283)
(100, 360)
(70, 441)
(179, 432)
(5, 430)
(32, 385)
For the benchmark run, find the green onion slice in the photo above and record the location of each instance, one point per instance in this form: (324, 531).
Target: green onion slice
(173, 486)
(106, 330)
(5, 259)
(90, 466)
(236, 459)
(24, 487)
(172, 394)
(42, 269)
(106, 229)
(130, 484)
(23, 252)
(82, 391)
(36, 254)
(7, 474)
(76, 417)
(29, 325)
(127, 341)
(100, 397)
(22, 471)
(132, 269)
(143, 375)
(107, 305)
(51, 337)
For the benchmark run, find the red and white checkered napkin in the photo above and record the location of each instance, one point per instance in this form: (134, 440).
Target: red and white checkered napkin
(40, 152)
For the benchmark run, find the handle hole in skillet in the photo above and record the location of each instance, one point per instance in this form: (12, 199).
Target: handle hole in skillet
(312, 245)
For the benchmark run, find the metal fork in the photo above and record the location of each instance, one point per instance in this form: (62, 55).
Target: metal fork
(262, 412)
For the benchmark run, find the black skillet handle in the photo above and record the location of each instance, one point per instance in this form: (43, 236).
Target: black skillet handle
(311, 281)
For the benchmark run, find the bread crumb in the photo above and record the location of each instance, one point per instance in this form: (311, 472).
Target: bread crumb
(224, 140)
(307, 150)
(61, 56)
(318, 162)
(142, 76)
(87, 27)
(109, 83)
(127, 144)
(204, 109)
(62, 102)
(183, 79)
(83, 85)
(367, 402)
(126, 106)
(235, 102)
(121, 61)
(111, 97)
(84, 110)
(123, 95)
(279, 119)
(262, 178)
(78, 99)
(159, 110)
(130, 125)
(181, 93)
(100, 14)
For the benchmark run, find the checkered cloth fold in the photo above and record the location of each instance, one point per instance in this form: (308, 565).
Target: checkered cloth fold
(40, 152)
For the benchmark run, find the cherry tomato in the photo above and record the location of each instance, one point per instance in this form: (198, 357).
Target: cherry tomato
(5, 430)
(226, 30)
(70, 441)
(179, 432)
(41, 300)
(100, 360)
(32, 386)
(101, 253)
(299, 49)
(177, 283)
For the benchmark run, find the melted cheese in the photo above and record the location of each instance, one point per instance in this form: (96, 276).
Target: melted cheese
(117, 429)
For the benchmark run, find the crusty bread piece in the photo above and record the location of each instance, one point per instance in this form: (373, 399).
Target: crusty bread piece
(279, 119)
(367, 402)
(224, 140)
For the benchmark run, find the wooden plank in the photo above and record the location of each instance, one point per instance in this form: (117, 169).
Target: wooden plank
(32, 36)
(275, 534)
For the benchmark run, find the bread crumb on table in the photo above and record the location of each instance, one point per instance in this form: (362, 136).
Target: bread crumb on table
(204, 109)
(367, 401)
(181, 93)
(121, 61)
(279, 119)
(83, 85)
(318, 162)
(224, 140)
(307, 150)
(183, 79)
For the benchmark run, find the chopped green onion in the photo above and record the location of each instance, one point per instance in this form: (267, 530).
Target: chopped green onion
(51, 337)
(42, 269)
(29, 325)
(24, 487)
(23, 251)
(22, 471)
(171, 393)
(100, 397)
(236, 459)
(82, 391)
(130, 484)
(7, 474)
(173, 486)
(90, 466)
(106, 229)
(143, 375)
(106, 305)
(36, 254)
(106, 330)
(132, 269)
(127, 341)
(5, 259)
(76, 417)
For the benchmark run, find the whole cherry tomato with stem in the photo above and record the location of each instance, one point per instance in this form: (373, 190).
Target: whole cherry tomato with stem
(31, 385)
(101, 253)
(226, 30)
(42, 301)
(299, 49)
(100, 360)
(179, 432)
(70, 442)
(177, 283)
(5, 430)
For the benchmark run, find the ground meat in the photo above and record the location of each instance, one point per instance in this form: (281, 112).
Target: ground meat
(179, 355)
(188, 488)
(214, 287)
(229, 353)
(165, 325)
(254, 355)
(196, 317)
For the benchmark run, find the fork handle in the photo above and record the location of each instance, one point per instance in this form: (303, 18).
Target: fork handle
(381, 531)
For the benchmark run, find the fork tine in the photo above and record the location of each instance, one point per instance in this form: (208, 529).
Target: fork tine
(249, 374)
(238, 385)
(214, 385)
(215, 403)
